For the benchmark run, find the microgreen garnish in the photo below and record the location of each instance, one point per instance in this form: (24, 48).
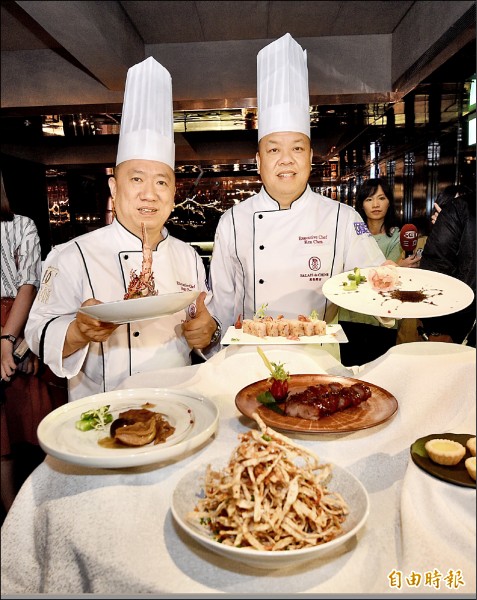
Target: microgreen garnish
(260, 314)
(94, 419)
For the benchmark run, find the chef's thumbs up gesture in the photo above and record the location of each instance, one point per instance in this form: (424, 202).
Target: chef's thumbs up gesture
(199, 331)
(85, 329)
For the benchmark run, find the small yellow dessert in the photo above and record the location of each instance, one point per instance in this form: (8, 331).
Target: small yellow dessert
(445, 452)
(470, 466)
(471, 446)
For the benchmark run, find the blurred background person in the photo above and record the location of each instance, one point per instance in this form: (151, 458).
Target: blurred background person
(447, 195)
(367, 337)
(450, 249)
(25, 396)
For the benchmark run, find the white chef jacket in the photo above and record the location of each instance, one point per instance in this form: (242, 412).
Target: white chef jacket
(98, 265)
(282, 258)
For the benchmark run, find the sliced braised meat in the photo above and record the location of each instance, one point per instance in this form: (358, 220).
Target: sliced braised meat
(335, 387)
(139, 426)
(362, 390)
(318, 401)
(140, 433)
(137, 414)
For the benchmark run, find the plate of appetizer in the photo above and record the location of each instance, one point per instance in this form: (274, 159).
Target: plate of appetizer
(266, 329)
(128, 428)
(140, 309)
(447, 456)
(333, 334)
(250, 522)
(319, 404)
(315, 403)
(399, 292)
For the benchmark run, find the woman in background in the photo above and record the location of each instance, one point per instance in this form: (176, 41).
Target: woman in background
(367, 338)
(26, 397)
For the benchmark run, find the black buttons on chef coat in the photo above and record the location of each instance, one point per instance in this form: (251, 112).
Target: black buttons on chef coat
(136, 333)
(262, 247)
(125, 257)
(261, 281)
(260, 216)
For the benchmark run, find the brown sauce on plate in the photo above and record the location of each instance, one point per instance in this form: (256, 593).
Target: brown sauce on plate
(411, 296)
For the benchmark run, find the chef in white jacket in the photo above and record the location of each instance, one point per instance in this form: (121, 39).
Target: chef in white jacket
(96, 267)
(278, 248)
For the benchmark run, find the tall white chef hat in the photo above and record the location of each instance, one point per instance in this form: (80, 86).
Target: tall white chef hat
(282, 88)
(147, 122)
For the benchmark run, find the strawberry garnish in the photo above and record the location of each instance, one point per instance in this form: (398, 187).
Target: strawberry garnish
(278, 379)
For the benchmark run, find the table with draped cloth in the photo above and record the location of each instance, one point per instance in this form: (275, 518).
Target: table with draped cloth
(75, 529)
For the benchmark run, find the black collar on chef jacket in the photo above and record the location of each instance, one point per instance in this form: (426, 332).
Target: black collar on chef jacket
(279, 207)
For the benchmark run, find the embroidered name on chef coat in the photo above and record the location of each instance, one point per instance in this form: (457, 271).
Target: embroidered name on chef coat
(312, 239)
(46, 285)
(185, 287)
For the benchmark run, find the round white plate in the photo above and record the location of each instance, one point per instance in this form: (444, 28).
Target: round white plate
(444, 295)
(190, 489)
(140, 309)
(194, 417)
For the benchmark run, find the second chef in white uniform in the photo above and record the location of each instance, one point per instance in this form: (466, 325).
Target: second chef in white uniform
(96, 267)
(278, 247)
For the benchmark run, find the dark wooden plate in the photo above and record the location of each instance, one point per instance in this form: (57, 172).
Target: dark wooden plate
(379, 408)
(456, 474)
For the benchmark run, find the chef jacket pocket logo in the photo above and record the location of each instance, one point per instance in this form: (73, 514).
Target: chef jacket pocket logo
(46, 283)
(314, 263)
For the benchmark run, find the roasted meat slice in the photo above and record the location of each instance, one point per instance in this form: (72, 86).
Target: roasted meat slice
(140, 426)
(318, 401)
(135, 427)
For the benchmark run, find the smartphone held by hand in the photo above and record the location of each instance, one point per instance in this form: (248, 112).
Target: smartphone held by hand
(21, 352)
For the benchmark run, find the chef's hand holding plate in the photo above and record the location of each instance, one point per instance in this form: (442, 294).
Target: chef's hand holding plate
(199, 331)
(84, 329)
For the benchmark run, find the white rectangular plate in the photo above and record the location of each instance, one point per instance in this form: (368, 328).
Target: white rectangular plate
(334, 335)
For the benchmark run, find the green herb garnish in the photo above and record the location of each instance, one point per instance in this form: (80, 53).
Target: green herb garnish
(355, 279)
(94, 419)
(260, 314)
(269, 401)
(266, 398)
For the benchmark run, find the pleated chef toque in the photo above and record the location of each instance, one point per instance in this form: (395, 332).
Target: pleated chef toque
(282, 88)
(147, 122)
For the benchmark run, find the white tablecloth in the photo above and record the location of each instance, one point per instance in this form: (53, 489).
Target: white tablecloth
(75, 529)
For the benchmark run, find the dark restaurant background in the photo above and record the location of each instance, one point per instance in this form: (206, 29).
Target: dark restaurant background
(392, 94)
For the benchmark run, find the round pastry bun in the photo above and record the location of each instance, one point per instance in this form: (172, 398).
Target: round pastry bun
(471, 445)
(445, 452)
(470, 466)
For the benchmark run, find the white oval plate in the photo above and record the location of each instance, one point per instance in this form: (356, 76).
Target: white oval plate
(194, 417)
(190, 489)
(140, 309)
(445, 295)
